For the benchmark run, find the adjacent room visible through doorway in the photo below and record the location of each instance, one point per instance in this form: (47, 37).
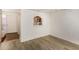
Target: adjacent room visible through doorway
(10, 24)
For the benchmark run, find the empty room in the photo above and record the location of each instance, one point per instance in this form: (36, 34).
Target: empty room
(39, 29)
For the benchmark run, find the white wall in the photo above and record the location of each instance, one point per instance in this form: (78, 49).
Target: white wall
(60, 23)
(65, 24)
(13, 18)
(30, 31)
(0, 23)
(18, 19)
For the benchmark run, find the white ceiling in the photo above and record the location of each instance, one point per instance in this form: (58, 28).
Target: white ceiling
(46, 10)
(38, 10)
(11, 10)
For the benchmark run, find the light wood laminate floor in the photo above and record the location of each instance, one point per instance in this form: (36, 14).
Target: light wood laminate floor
(43, 43)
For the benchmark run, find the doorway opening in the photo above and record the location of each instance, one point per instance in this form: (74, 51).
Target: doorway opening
(10, 24)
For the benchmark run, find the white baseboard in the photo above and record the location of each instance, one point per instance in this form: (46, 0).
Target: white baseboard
(31, 38)
(72, 41)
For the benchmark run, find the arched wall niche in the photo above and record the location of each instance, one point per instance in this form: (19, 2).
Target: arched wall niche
(37, 20)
